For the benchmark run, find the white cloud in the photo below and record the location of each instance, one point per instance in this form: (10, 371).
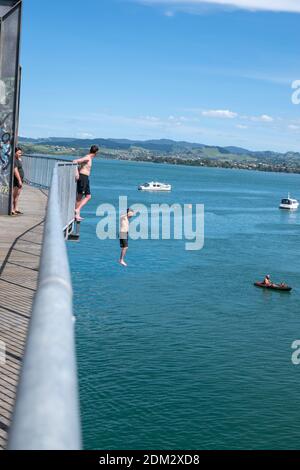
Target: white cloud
(151, 118)
(242, 126)
(266, 118)
(220, 113)
(227, 114)
(292, 6)
(84, 135)
(262, 118)
(169, 13)
(293, 127)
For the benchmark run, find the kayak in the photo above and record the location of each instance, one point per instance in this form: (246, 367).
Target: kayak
(273, 287)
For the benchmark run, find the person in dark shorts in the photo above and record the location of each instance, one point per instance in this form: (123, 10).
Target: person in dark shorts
(124, 235)
(83, 183)
(124, 240)
(18, 181)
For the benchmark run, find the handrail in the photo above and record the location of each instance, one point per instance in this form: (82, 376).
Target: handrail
(46, 414)
(67, 193)
(44, 157)
(39, 169)
(38, 173)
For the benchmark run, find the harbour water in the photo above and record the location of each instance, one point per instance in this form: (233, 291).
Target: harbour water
(180, 350)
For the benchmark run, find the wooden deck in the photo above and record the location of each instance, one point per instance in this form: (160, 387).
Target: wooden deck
(20, 248)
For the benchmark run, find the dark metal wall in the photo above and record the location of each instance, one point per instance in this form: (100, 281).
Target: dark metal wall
(10, 29)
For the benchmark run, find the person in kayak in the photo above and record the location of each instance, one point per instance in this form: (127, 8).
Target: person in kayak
(267, 281)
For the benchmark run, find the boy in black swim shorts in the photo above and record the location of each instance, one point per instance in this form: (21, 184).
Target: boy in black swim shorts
(124, 234)
(83, 184)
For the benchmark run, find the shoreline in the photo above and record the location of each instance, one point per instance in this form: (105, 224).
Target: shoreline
(259, 167)
(225, 165)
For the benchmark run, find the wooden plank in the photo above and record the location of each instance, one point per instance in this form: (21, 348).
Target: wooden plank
(5, 392)
(7, 386)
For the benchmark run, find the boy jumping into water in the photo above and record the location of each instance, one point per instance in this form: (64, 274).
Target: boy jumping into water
(124, 234)
(83, 184)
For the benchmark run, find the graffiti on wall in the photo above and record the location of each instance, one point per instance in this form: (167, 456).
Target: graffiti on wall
(6, 124)
(9, 87)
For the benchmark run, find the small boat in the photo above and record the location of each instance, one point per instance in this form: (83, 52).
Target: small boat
(281, 287)
(154, 186)
(289, 204)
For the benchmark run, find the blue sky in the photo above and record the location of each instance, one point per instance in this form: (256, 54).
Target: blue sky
(215, 72)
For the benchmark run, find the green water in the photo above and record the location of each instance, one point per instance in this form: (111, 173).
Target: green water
(180, 350)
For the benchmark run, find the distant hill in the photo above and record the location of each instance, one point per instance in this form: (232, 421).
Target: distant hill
(166, 150)
(156, 145)
(238, 151)
(164, 145)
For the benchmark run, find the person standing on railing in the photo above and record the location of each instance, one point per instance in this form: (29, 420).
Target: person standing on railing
(83, 184)
(18, 181)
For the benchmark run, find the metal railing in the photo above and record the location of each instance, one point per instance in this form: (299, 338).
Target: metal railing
(39, 171)
(46, 414)
(67, 192)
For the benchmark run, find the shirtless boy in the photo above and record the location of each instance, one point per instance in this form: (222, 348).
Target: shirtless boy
(124, 234)
(83, 184)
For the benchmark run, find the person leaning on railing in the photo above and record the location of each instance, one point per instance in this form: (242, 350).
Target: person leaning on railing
(83, 183)
(18, 181)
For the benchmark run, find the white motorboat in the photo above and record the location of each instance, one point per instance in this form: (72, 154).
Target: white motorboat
(289, 204)
(154, 186)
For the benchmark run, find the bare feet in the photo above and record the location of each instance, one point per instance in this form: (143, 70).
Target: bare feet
(122, 262)
(77, 216)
